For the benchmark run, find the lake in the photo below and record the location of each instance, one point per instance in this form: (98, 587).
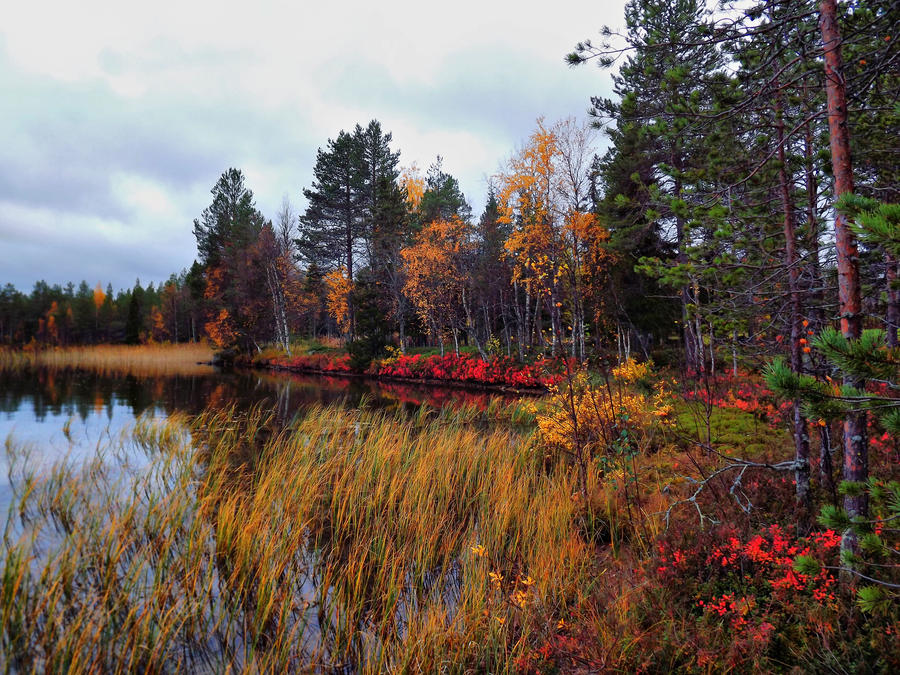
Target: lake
(326, 549)
(66, 413)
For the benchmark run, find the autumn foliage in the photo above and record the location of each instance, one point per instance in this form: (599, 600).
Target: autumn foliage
(435, 274)
(556, 245)
(338, 288)
(465, 368)
(468, 368)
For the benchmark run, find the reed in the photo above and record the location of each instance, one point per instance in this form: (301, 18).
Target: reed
(351, 539)
(140, 360)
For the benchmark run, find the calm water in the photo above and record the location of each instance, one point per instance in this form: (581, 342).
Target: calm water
(49, 416)
(56, 414)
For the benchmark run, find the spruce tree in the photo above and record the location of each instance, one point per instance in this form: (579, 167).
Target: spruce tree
(333, 225)
(443, 197)
(378, 164)
(230, 222)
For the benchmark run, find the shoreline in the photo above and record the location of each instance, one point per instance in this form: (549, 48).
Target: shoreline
(431, 382)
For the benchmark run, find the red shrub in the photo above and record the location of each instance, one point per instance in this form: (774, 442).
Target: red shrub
(500, 370)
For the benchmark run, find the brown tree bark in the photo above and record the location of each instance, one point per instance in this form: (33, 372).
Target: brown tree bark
(801, 435)
(893, 299)
(856, 465)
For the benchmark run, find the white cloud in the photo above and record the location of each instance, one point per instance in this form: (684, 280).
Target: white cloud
(121, 116)
(143, 195)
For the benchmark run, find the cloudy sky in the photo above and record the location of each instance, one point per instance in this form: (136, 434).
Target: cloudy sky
(116, 119)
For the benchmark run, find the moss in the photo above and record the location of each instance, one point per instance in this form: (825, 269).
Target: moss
(731, 430)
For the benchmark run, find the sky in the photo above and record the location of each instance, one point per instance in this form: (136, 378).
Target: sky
(117, 118)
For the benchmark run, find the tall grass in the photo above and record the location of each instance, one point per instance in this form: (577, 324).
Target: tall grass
(350, 539)
(139, 360)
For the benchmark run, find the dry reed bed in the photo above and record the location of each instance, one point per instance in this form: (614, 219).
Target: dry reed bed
(351, 539)
(138, 360)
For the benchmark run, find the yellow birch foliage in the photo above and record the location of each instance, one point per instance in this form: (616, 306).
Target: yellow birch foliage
(158, 329)
(50, 328)
(297, 298)
(434, 272)
(337, 297)
(221, 329)
(552, 237)
(630, 371)
(526, 196)
(593, 416)
(411, 179)
(99, 296)
(556, 246)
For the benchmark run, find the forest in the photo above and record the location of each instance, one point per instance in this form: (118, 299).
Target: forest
(701, 275)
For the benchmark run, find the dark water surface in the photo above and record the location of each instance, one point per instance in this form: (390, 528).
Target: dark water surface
(56, 414)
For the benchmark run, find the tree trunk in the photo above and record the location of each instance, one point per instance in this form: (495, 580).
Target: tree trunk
(522, 319)
(504, 318)
(734, 358)
(348, 244)
(791, 261)
(470, 326)
(893, 299)
(538, 323)
(826, 470)
(812, 221)
(276, 288)
(554, 329)
(401, 325)
(690, 350)
(855, 465)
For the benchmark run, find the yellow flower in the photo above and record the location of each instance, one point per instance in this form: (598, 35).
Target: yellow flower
(528, 581)
(500, 620)
(496, 578)
(478, 550)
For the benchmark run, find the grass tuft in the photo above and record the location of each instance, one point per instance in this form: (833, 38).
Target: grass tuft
(138, 360)
(352, 539)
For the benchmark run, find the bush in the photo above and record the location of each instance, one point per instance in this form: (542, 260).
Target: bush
(364, 350)
(465, 367)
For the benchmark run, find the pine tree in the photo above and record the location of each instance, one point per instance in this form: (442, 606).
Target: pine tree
(134, 323)
(230, 222)
(661, 87)
(390, 233)
(333, 225)
(378, 164)
(442, 198)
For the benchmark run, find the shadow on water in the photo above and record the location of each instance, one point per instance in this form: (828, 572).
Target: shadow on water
(64, 413)
(43, 395)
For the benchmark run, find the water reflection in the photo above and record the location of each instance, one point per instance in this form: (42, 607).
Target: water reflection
(34, 405)
(47, 415)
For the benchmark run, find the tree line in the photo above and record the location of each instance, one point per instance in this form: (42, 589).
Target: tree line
(388, 255)
(59, 316)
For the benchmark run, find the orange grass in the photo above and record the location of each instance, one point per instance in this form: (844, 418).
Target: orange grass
(352, 539)
(139, 360)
